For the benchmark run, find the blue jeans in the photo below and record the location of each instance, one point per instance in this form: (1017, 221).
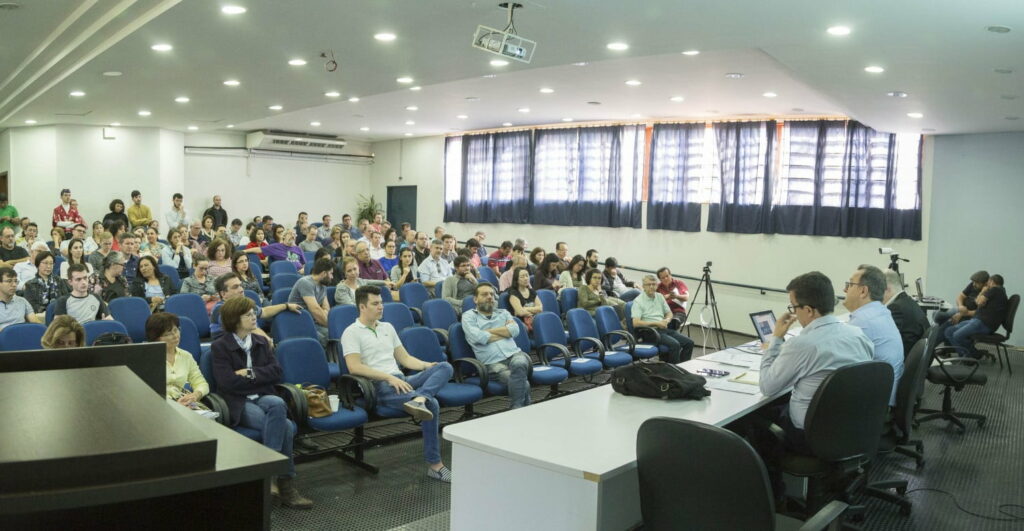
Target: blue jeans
(629, 294)
(426, 384)
(269, 415)
(943, 316)
(959, 335)
(680, 347)
(512, 372)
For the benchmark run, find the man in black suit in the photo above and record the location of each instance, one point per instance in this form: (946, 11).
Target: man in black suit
(909, 317)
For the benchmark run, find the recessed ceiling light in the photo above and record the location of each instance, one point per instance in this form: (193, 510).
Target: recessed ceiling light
(462, 116)
(472, 98)
(838, 31)
(115, 124)
(733, 75)
(384, 37)
(412, 108)
(161, 47)
(1008, 97)
(998, 29)
(676, 99)
(896, 94)
(314, 124)
(404, 79)
(499, 62)
(364, 128)
(408, 134)
(798, 109)
(593, 103)
(915, 115)
(769, 94)
(182, 99)
(566, 119)
(113, 73)
(144, 113)
(275, 107)
(523, 109)
(489, 76)
(353, 99)
(618, 46)
(1013, 117)
(410, 122)
(580, 63)
(332, 94)
(297, 62)
(1003, 71)
(546, 90)
(928, 130)
(76, 94)
(31, 122)
(691, 52)
(873, 69)
(232, 83)
(636, 115)
(232, 10)
(416, 88)
(506, 124)
(231, 126)
(634, 82)
(193, 128)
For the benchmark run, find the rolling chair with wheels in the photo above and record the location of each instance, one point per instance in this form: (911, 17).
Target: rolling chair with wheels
(999, 340)
(897, 438)
(953, 373)
(678, 491)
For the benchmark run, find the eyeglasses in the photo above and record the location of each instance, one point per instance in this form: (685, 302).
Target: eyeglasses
(250, 313)
(793, 307)
(10, 280)
(848, 284)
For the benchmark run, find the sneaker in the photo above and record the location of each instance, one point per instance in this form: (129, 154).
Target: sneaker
(441, 474)
(418, 410)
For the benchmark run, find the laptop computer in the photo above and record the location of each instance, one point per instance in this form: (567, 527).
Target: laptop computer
(764, 324)
(919, 284)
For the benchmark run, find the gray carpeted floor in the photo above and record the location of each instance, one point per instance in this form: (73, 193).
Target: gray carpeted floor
(982, 469)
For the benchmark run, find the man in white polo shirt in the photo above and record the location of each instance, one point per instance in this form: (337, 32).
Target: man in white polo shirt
(372, 350)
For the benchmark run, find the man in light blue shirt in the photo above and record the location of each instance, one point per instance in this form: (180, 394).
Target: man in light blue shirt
(434, 269)
(864, 293)
(490, 332)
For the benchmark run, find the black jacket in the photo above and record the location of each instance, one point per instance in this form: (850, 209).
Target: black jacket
(910, 320)
(228, 357)
(138, 288)
(219, 215)
(36, 292)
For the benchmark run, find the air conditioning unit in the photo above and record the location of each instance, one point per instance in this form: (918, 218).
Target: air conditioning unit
(274, 140)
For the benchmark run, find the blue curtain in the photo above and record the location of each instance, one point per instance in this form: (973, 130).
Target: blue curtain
(677, 160)
(744, 159)
(491, 177)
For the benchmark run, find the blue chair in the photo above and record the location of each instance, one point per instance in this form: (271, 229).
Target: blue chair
(94, 329)
(171, 272)
(398, 315)
(568, 298)
(132, 312)
(542, 373)
(281, 267)
(254, 297)
(438, 288)
(50, 308)
(351, 386)
(309, 256)
(190, 338)
(385, 295)
(257, 271)
(338, 319)
(644, 335)
(610, 328)
(192, 306)
(308, 268)
(423, 344)
(287, 325)
(330, 291)
(487, 275)
(317, 224)
(413, 295)
(439, 315)
(283, 280)
(468, 304)
(503, 302)
(281, 296)
(550, 336)
(583, 338)
(57, 261)
(473, 372)
(22, 336)
(549, 301)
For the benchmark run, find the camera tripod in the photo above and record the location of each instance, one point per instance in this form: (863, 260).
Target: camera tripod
(717, 334)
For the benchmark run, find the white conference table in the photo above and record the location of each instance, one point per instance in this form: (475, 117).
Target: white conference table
(570, 463)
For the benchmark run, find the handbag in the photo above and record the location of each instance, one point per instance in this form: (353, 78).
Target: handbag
(318, 405)
(657, 379)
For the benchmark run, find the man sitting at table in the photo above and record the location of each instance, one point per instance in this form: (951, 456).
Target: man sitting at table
(490, 332)
(906, 313)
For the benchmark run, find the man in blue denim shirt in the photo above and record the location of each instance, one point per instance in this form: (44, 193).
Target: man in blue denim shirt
(864, 293)
(490, 332)
(372, 350)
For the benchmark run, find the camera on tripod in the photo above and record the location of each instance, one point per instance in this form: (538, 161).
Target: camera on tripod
(894, 261)
(707, 267)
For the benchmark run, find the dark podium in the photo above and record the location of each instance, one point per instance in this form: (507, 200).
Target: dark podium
(97, 448)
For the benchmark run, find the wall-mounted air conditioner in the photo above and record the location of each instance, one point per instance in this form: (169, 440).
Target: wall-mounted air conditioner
(273, 140)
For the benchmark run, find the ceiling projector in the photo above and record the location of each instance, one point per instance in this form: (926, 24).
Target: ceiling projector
(505, 42)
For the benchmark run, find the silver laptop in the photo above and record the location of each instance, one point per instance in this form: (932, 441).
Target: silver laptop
(764, 324)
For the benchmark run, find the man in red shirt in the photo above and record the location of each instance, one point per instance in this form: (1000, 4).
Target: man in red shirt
(676, 293)
(498, 259)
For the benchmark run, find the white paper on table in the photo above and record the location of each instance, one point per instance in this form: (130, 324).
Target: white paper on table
(725, 385)
(732, 357)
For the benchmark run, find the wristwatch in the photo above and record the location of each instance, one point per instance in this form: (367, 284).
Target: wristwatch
(249, 374)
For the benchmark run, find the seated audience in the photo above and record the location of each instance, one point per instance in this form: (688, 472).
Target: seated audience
(906, 313)
(311, 244)
(63, 332)
(433, 268)
(505, 280)
(572, 276)
(228, 287)
(459, 285)
(650, 309)
(345, 293)
(257, 240)
(991, 306)
(220, 257)
(675, 292)
(499, 259)
(405, 270)
(376, 245)
(246, 371)
(285, 249)
(593, 259)
(591, 295)
(547, 273)
(77, 233)
(236, 235)
(106, 244)
(614, 284)
(177, 254)
(152, 285)
(562, 252)
(310, 292)
(490, 332)
(240, 266)
(474, 248)
(372, 350)
(478, 238)
(208, 229)
(76, 255)
(421, 247)
(390, 258)
(80, 303)
(326, 231)
(864, 293)
(56, 238)
(27, 270)
(111, 283)
(10, 254)
(201, 283)
(965, 301)
(29, 236)
(369, 268)
(45, 286)
(129, 248)
(92, 241)
(116, 214)
(536, 257)
(182, 370)
(448, 251)
(14, 309)
(522, 298)
(152, 246)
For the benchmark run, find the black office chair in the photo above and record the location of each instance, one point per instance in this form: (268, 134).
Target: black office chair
(843, 427)
(897, 438)
(999, 340)
(951, 373)
(698, 476)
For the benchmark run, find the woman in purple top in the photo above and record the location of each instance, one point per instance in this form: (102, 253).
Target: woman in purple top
(286, 250)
